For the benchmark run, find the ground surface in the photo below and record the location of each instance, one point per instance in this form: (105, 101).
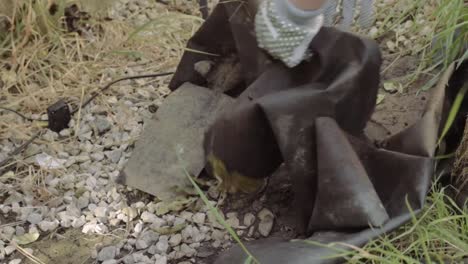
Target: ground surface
(74, 212)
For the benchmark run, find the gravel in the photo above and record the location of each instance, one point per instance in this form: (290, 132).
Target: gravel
(107, 253)
(175, 240)
(34, 218)
(266, 218)
(249, 219)
(15, 261)
(84, 195)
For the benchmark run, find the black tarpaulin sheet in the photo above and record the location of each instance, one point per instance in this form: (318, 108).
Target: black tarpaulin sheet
(311, 119)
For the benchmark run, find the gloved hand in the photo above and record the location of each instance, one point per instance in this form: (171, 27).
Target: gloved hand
(286, 31)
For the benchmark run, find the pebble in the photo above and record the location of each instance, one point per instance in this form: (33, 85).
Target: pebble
(34, 218)
(141, 244)
(175, 240)
(9, 231)
(20, 230)
(203, 67)
(82, 159)
(9, 250)
(114, 155)
(110, 261)
(188, 251)
(162, 246)
(161, 260)
(102, 124)
(15, 261)
(128, 259)
(78, 222)
(249, 219)
(101, 212)
(199, 218)
(266, 222)
(148, 217)
(232, 220)
(97, 156)
(48, 225)
(107, 253)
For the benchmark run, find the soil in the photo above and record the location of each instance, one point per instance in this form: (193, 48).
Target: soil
(71, 247)
(398, 110)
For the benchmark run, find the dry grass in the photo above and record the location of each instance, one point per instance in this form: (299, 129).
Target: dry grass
(40, 65)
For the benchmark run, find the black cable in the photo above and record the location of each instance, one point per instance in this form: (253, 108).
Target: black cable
(93, 96)
(19, 149)
(19, 114)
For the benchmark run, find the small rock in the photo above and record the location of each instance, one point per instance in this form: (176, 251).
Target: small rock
(48, 225)
(82, 158)
(249, 219)
(114, 222)
(187, 233)
(203, 67)
(152, 250)
(97, 156)
(141, 244)
(78, 222)
(128, 259)
(175, 240)
(199, 218)
(94, 227)
(179, 221)
(34, 218)
(138, 227)
(20, 231)
(161, 260)
(129, 213)
(110, 261)
(251, 231)
(186, 215)
(9, 250)
(82, 202)
(15, 261)
(188, 251)
(232, 220)
(114, 155)
(9, 231)
(107, 253)
(132, 7)
(102, 124)
(148, 217)
(65, 133)
(100, 212)
(140, 258)
(266, 222)
(162, 246)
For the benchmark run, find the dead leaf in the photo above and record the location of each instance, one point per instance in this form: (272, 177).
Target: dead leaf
(380, 98)
(130, 212)
(393, 87)
(27, 238)
(165, 207)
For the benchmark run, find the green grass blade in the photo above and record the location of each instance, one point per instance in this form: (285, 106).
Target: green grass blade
(453, 111)
(220, 219)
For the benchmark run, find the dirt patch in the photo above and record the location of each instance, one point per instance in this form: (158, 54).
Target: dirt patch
(71, 247)
(400, 109)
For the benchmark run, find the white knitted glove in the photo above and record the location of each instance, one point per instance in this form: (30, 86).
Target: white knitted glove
(286, 31)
